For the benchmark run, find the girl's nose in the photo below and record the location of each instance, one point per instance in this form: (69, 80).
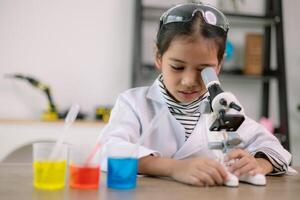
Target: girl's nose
(189, 79)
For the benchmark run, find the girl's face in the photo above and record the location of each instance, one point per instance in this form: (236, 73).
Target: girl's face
(182, 63)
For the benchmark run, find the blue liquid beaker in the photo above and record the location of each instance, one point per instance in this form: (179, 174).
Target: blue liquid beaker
(121, 172)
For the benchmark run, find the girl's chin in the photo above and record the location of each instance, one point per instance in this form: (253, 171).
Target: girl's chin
(187, 98)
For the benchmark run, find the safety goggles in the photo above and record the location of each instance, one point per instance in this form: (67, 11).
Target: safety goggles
(185, 13)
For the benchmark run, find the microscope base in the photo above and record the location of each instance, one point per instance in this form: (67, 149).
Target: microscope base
(232, 181)
(258, 179)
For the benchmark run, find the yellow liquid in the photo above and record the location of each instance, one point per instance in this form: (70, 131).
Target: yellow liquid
(49, 175)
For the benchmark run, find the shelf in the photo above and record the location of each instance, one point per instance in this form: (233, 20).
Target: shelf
(252, 19)
(248, 77)
(153, 14)
(266, 77)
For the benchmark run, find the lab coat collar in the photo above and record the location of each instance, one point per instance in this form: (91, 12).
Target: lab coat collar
(154, 93)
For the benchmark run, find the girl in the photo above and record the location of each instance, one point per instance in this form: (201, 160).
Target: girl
(191, 37)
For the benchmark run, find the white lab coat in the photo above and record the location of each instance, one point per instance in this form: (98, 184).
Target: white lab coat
(134, 110)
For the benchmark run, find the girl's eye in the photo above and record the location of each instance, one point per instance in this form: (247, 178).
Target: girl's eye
(177, 67)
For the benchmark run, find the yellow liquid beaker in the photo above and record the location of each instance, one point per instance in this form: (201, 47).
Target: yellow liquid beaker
(49, 175)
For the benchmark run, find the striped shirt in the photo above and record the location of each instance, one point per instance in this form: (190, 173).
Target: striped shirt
(277, 161)
(187, 114)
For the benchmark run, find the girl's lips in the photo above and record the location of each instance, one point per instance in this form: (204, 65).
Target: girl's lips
(188, 94)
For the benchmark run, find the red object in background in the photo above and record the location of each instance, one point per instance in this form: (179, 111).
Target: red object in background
(84, 177)
(267, 123)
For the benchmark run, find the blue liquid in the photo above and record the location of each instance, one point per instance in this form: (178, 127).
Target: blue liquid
(121, 173)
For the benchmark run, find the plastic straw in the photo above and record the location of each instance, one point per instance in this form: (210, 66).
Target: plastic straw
(95, 149)
(92, 154)
(70, 118)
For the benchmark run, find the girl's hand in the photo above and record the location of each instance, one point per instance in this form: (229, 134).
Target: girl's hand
(242, 163)
(199, 172)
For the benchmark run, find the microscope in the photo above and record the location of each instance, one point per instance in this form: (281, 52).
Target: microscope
(223, 119)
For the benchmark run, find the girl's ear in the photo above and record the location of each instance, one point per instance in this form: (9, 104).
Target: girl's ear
(158, 59)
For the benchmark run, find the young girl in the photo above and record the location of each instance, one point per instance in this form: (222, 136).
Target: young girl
(191, 37)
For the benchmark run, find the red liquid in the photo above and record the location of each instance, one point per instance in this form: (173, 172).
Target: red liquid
(84, 177)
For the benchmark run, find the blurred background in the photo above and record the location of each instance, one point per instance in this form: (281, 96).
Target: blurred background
(90, 51)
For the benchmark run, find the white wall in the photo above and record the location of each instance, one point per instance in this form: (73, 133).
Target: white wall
(81, 48)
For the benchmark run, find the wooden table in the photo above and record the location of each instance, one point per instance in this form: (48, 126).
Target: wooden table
(16, 184)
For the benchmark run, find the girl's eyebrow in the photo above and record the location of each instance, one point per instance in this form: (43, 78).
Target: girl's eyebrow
(200, 65)
(177, 60)
(207, 65)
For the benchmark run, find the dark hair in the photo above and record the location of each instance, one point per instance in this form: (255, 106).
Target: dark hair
(194, 28)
